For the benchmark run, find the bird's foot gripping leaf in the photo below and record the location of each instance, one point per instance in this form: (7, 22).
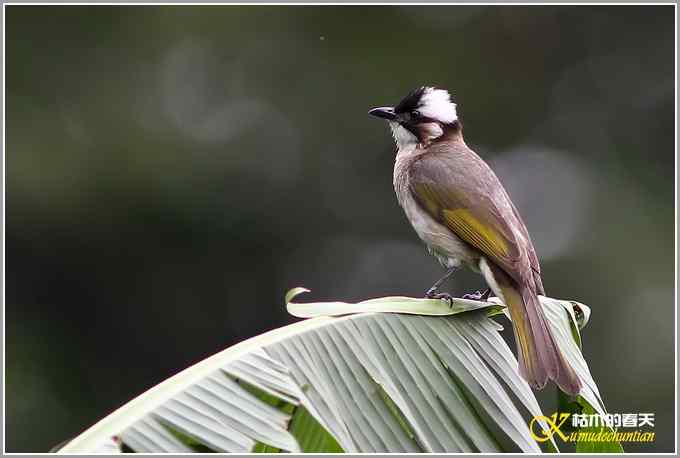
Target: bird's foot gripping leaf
(478, 295)
(433, 294)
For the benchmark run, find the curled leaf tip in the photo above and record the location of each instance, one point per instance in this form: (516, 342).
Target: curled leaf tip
(290, 295)
(582, 313)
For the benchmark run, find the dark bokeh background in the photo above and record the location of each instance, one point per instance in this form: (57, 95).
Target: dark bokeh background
(172, 171)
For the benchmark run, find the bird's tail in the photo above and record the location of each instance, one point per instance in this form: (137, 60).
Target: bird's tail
(539, 356)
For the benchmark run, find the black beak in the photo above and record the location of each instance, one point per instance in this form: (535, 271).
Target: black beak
(383, 112)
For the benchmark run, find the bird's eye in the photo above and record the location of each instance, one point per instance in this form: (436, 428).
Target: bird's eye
(415, 114)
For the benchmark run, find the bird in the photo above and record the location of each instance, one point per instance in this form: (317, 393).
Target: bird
(463, 214)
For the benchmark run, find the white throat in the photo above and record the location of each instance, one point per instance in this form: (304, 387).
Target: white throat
(406, 141)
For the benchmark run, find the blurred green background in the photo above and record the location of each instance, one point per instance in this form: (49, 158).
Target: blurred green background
(172, 171)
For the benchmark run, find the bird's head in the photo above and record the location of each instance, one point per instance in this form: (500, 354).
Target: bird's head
(421, 117)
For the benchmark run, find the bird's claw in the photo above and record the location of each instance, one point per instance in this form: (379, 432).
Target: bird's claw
(432, 294)
(478, 295)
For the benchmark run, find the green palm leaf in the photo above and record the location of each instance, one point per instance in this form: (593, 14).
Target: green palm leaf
(423, 377)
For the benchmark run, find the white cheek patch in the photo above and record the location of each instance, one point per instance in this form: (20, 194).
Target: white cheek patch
(437, 104)
(431, 131)
(404, 139)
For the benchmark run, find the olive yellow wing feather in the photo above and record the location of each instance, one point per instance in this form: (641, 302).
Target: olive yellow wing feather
(467, 205)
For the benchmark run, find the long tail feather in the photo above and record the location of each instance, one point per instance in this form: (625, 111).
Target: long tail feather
(540, 359)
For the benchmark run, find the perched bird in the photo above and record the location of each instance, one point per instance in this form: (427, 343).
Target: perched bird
(461, 211)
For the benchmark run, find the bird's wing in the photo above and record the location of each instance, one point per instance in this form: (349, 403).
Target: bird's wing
(462, 193)
(533, 259)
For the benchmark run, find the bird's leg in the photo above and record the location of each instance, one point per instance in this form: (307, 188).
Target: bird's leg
(478, 295)
(432, 292)
(439, 282)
